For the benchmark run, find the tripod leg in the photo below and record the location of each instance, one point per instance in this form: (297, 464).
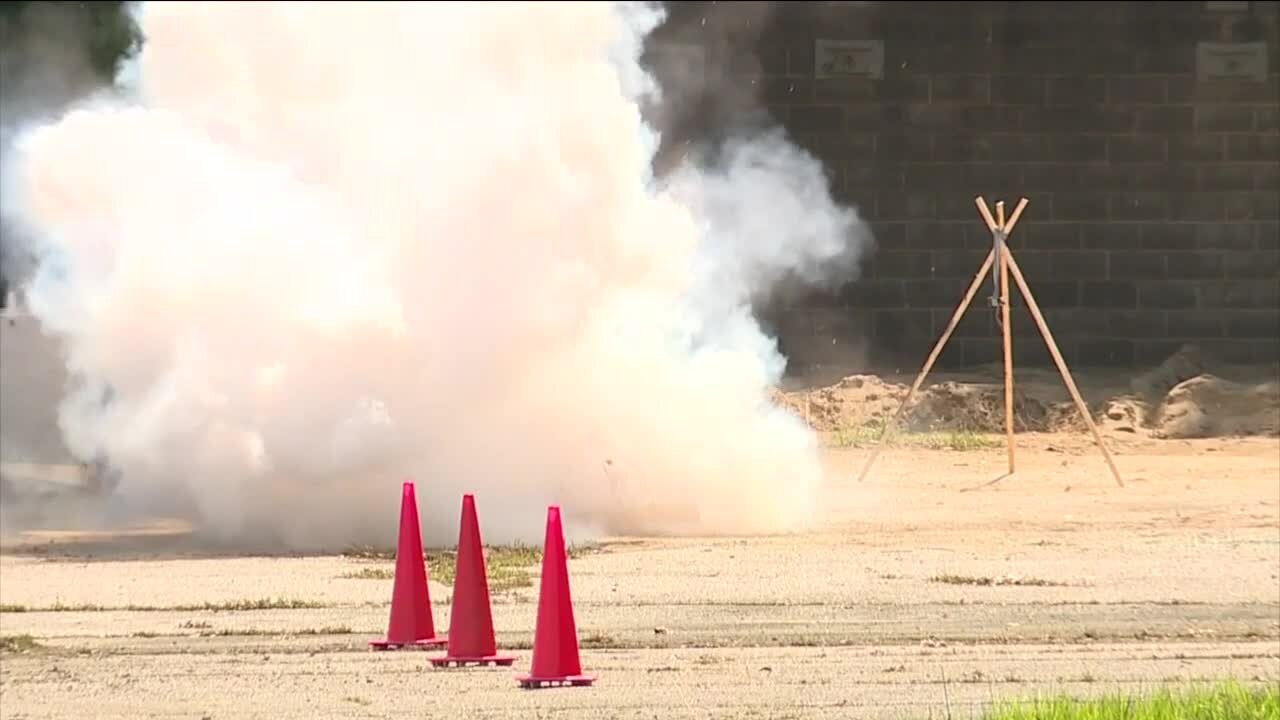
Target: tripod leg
(1057, 359)
(928, 364)
(1014, 217)
(1008, 356)
(986, 213)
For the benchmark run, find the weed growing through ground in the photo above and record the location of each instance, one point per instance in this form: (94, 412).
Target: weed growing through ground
(370, 573)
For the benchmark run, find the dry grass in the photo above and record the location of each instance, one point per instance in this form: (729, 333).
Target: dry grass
(369, 573)
(261, 632)
(871, 435)
(18, 643)
(229, 606)
(594, 641)
(205, 630)
(998, 582)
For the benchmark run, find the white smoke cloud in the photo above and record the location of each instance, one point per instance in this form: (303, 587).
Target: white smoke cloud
(322, 249)
(44, 66)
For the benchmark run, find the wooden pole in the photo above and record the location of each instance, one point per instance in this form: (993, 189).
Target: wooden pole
(1007, 332)
(1013, 219)
(928, 363)
(986, 213)
(1000, 229)
(1057, 359)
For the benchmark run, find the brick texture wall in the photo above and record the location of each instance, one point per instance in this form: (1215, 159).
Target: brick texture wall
(1154, 215)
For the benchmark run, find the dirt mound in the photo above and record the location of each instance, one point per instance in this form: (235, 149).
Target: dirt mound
(1185, 364)
(867, 401)
(1209, 406)
(1184, 397)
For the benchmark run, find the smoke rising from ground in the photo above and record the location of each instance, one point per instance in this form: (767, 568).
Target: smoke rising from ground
(44, 65)
(321, 249)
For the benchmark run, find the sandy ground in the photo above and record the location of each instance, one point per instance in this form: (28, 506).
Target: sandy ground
(1094, 588)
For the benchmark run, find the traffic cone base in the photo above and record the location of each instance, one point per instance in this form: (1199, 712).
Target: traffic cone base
(530, 682)
(489, 660)
(428, 644)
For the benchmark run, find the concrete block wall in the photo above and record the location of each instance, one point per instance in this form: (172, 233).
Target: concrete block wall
(1154, 215)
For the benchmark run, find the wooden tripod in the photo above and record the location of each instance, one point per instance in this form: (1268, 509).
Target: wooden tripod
(1002, 258)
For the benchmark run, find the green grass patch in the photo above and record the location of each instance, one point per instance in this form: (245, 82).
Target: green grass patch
(1223, 701)
(375, 554)
(870, 435)
(18, 643)
(510, 567)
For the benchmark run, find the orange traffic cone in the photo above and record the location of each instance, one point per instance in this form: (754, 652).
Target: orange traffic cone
(555, 642)
(411, 625)
(471, 638)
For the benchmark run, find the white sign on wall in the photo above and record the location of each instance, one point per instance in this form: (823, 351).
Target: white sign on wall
(1231, 61)
(848, 58)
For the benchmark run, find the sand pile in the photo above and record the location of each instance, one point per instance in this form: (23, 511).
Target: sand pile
(1187, 396)
(866, 400)
(1209, 406)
